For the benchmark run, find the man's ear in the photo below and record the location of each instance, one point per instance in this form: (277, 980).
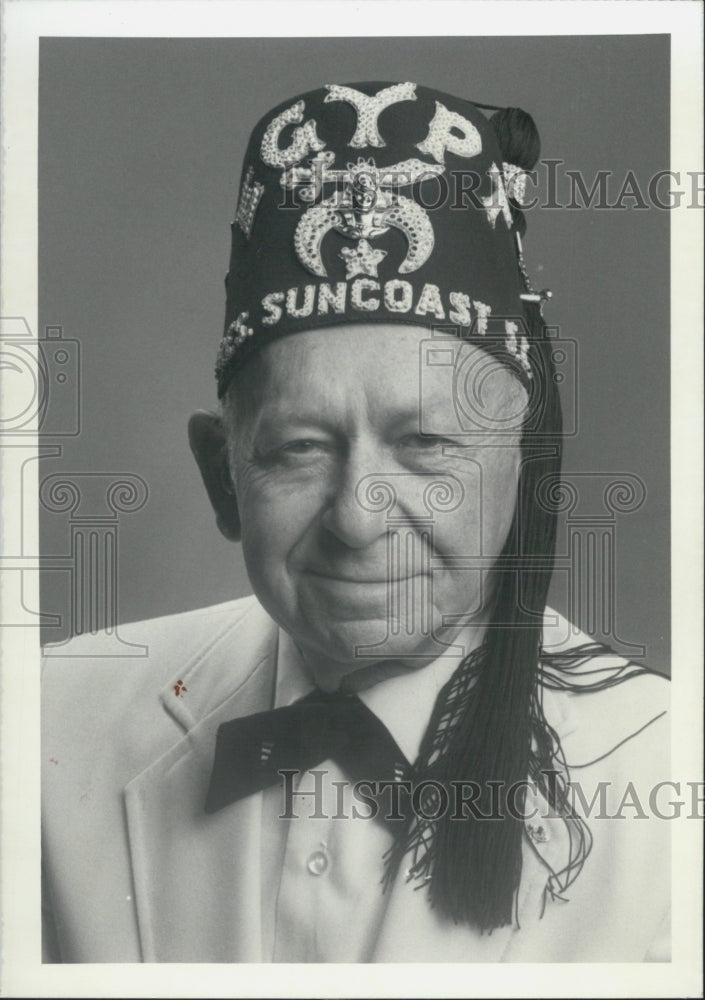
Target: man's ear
(207, 438)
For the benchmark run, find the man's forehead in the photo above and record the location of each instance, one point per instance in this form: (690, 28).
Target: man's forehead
(395, 371)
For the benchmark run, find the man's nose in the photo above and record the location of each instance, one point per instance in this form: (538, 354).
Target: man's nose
(354, 514)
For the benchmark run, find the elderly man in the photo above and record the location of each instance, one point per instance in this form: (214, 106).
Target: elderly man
(376, 757)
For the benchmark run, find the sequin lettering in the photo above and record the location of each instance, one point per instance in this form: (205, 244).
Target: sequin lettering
(360, 286)
(273, 311)
(430, 301)
(398, 296)
(460, 313)
(483, 314)
(250, 195)
(306, 308)
(394, 296)
(304, 139)
(441, 138)
(369, 109)
(328, 297)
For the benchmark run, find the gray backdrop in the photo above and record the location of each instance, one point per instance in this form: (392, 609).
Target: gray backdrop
(140, 154)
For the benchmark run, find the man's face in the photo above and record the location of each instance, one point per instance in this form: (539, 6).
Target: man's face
(348, 544)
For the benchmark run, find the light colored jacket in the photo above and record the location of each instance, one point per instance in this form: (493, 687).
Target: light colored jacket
(137, 872)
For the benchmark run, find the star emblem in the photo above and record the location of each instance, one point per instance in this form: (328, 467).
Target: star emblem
(497, 201)
(364, 259)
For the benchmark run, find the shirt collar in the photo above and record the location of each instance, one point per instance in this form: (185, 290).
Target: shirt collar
(403, 703)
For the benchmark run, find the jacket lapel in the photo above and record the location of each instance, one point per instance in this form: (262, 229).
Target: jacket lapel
(197, 877)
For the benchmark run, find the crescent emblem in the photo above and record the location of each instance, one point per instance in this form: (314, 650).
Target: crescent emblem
(414, 223)
(310, 231)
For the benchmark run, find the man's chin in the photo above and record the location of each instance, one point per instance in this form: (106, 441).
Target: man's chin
(351, 644)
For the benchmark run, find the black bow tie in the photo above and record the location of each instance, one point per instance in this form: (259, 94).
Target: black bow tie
(250, 752)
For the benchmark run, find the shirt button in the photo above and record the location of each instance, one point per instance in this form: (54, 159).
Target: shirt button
(317, 863)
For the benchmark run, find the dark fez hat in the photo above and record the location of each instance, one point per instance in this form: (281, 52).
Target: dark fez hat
(384, 203)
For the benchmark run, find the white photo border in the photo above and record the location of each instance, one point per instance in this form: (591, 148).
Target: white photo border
(25, 22)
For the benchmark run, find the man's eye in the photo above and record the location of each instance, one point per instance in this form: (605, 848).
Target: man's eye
(301, 449)
(426, 442)
(304, 446)
(290, 453)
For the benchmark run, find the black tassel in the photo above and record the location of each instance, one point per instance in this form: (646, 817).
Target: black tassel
(520, 145)
(518, 137)
(488, 723)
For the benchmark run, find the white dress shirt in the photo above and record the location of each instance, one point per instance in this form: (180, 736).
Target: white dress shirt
(322, 893)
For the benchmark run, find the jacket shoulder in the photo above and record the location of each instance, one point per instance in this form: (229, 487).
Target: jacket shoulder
(93, 686)
(598, 701)
(143, 645)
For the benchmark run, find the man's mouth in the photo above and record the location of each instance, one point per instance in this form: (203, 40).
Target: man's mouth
(362, 578)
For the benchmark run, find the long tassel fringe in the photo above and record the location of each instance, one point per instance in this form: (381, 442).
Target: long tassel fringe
(488, 726)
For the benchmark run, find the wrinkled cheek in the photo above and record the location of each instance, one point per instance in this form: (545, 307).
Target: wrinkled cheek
(499, 505)
(265, 535)
(257, 556)
(274, 527)
(498, 522)
(265, 559)
(480, 526)
(472, 537)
